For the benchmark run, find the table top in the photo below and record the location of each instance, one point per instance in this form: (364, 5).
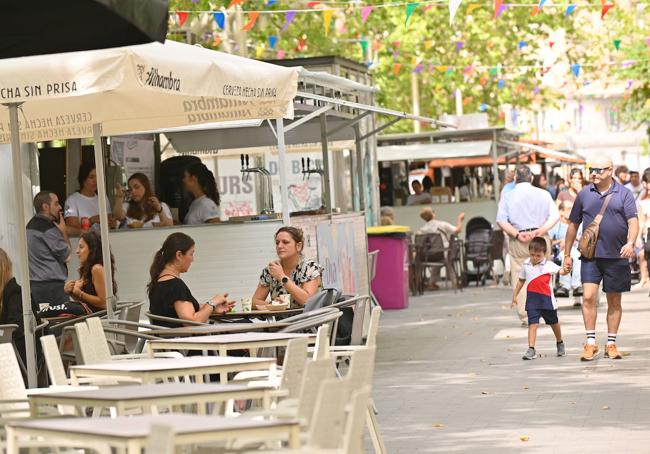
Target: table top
(129, 427)
(238, 338)
(137, 392)
(161, 364)
(257, 313)
(217, 328)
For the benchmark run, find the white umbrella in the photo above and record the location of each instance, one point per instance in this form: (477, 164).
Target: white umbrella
(122, 90)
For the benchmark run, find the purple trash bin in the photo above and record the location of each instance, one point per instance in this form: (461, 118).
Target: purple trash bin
(391, 283)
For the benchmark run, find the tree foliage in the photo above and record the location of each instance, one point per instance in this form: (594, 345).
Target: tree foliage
(479, 55)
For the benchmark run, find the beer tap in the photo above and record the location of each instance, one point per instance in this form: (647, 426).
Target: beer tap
(266, 186)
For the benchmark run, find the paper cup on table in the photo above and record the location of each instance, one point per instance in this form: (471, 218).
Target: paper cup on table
(285, 299)
(246, 304)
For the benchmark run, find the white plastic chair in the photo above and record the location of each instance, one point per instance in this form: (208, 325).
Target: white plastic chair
(371, 339)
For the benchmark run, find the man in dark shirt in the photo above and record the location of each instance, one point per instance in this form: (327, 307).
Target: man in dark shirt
(49, 250)
(615, 246)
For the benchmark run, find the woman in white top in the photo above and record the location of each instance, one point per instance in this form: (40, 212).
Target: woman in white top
(200, 182)
(85, 203)
(144, 210)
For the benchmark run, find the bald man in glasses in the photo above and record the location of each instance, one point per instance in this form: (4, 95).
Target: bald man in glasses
(615, 246)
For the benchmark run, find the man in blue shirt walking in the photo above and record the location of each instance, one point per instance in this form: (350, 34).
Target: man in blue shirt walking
(615, 246)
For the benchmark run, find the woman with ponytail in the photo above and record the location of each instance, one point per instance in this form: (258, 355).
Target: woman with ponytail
(200, 182)
(168, 294)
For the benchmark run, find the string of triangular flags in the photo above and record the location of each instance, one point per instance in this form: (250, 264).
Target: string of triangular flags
(327, 10)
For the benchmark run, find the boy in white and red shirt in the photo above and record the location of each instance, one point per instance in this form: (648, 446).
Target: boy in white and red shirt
(537, 272)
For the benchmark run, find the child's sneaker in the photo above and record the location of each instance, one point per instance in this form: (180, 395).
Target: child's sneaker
(531, 353)
(560, 349)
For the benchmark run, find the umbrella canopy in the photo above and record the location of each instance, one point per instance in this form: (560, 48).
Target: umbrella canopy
(36, 27)
(128, 89)
(138, 88)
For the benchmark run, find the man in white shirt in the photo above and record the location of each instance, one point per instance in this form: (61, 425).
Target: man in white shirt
(635, 185)
(419, 197)
(524, 213)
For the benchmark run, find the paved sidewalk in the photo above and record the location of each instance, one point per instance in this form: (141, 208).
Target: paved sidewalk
(450, 378)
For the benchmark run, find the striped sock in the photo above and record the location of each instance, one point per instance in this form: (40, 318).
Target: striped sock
(591, 337)
(611, 338)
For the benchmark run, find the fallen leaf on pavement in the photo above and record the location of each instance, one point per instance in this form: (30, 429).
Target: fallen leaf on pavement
(524, 437)
(438, 426)
(605, 407)
(485, 393)
(572, 403)
(525, 387)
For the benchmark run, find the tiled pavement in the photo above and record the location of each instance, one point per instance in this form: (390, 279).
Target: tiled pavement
(450, 378)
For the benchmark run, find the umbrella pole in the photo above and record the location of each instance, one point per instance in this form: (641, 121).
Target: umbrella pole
(103, 219)
(21, 235)
(284, 189)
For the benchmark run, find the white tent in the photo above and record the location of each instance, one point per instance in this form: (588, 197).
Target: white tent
(127, 89)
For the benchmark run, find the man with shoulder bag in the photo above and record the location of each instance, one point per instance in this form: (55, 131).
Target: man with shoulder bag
(608, 213)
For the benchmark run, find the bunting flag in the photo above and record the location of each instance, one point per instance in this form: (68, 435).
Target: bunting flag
(522, 44)
(483, 107)
(497, 8)
(442, 69)
(502, 7)
(288, 18)
(429, 44)
(182, 17)
(396, 68)
(418, 68)
(605, 10)
(569, 9)
(410, 7)
(280, 55)
(536, 90)
(617, 43)
(536, 10)
(220, 19)
(259, 51)
(647, 41)
(551, 44)
(541, 4)
(575, 69)
(252, 17)
(459, 45)
(494, 71)
(365, 12)
(472, 7)
(234, 2)
(273, 40)
(327, 18)
(501, 84)
(271, 2)
(312, 4)
(364, 47)
(453, 7)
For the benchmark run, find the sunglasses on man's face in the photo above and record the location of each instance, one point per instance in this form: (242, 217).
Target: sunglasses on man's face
(598, 170)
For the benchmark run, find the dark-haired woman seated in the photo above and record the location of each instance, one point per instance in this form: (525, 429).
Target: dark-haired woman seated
(90, 288)
(200, 182)
(168, 294)
(292, 274)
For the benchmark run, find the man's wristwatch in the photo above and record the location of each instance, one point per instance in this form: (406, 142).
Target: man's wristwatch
(285, 279)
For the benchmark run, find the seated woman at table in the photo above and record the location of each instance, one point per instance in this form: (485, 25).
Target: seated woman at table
(11, 304)
(200, 182)
(143, 210)
(90, 289)
(292, 274)
(168, 294)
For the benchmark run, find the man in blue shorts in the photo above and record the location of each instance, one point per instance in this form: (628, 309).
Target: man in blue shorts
(615, 246)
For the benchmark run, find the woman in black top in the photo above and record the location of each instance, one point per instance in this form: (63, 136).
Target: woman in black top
(168, 294)
(11, 304)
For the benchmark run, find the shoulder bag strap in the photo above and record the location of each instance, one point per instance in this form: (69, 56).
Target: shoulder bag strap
(600, 215)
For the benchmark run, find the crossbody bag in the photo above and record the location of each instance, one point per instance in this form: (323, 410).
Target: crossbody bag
(589, 238)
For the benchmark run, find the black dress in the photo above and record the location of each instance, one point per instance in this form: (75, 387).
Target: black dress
(164, 294)
(12, 313)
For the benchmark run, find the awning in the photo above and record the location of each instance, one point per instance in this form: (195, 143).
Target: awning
(545, 152)
(443, 154)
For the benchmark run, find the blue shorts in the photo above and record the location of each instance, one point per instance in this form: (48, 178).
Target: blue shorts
(614, 273)
(549, 316)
